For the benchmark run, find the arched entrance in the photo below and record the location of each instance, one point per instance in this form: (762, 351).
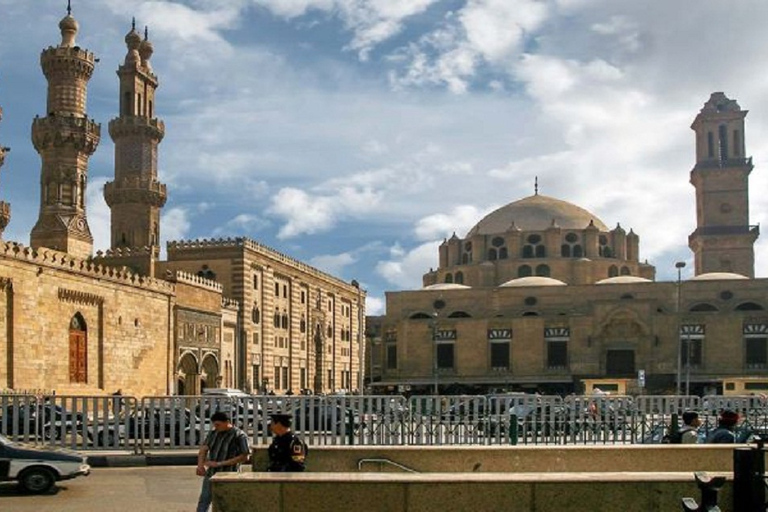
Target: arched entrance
(78, 350)
(187, 375)
(209, 377)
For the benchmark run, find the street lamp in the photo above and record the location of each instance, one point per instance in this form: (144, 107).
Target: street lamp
(435, 367)
(360, 346)
(679, 266)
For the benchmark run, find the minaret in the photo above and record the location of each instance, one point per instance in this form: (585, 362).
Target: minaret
(5, 208)
(135, 197)
(723, 240)
(65, 139)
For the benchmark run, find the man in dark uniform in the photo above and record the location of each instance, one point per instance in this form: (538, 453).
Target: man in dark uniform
(287, 453)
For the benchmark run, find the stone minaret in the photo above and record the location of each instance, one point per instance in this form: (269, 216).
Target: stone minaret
(723, 240)
(135, 197)
(5, 208)
(65, 139)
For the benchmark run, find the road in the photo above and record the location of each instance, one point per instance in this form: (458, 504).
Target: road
(149, 489)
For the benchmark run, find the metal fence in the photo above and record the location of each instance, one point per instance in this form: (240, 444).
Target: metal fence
(171, 422)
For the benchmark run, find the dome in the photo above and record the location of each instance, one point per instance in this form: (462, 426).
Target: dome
(446, 286)
(536, 213)
(718, 276)
(522, 282)
(624, 280)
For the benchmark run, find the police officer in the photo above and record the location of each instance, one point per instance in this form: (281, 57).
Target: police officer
(287, 452)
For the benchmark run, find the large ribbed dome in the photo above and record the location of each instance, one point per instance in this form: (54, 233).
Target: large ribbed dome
(535, 213)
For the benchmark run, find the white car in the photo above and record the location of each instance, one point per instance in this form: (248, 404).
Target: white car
(38, 469)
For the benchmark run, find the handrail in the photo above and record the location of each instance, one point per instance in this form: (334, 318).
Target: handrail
(384, 461)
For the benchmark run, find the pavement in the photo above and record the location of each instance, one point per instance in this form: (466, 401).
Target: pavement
(145, 489)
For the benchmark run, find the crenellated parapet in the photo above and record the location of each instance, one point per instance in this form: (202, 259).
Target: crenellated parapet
(60, 261)
(230, 304)
(185, 277)
(64, 62)
(135, 126)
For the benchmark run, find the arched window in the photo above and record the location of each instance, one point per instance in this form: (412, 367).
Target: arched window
(78, 350)
(465, 258)
(578, 252)
(303, 325)
(459, 314)
(530, 313)
(276, 319)
(607, 252)
(749, 306)
(256, 315)
(492, 254)
(703, 307)
(541, 251)
(542, 270)
(503, 253)
(710, 145)
(330, 332)
(565, 251)
(284, 321)
(420, 316)
(497, 241)
(723, 142)
(527, 251)
(625, 271)
(524, 271)
(613, 271)
(448, 278)
(459, 278)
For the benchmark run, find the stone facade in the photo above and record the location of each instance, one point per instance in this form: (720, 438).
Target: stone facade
(541, 296)
(84, 324)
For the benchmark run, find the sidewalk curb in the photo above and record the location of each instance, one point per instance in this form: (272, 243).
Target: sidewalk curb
(132, 461)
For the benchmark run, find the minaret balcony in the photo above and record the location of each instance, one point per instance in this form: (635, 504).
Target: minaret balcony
(134, 190)
(716, 163)
(136, 125)
(67, 61)
(55, 131)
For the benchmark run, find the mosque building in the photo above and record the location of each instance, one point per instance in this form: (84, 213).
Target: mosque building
(217, 313)
(540, 295)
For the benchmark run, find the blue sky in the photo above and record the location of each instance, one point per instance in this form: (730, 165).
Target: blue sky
(356, 134)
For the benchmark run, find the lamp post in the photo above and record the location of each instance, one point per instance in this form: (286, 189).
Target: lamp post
(372, 341)
(435, 367)
(360, 346)
(679, 266)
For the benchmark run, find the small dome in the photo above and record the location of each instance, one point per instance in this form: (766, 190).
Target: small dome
(718, 276)
(624, 280)
(69, 23)
(446, 286)
(133, 39)
(522, 282)
(536, 213)
(146, 50)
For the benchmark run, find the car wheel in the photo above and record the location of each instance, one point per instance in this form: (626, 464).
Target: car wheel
(37, 480)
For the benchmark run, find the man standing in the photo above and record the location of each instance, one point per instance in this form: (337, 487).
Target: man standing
(287, 452)
(724, 433)
(224, 449)
(689, 434)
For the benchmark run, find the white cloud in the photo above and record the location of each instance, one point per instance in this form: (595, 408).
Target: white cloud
(174, 224)
(406, 269)
(459, 220)
(334, 264)
(374, 306)
(244, 224)
(99, 214)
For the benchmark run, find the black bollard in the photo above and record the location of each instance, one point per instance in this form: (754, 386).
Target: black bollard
(709, 487)
(748, 483)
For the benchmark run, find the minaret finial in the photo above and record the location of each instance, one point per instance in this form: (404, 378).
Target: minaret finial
(146, 32)
(133, 23)
(536, 186)
(69, 7)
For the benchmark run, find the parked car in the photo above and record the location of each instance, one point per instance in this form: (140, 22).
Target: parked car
(49, 421)
(319, 417)
(181, 426)
(38, 469)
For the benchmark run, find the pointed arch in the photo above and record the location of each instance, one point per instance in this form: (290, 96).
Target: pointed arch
(78, 350)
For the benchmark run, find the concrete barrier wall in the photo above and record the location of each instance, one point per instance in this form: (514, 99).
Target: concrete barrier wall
(459, 492)
(518, 459)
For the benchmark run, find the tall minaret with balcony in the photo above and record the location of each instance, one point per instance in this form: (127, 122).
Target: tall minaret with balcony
(5, 208)
(135, 197)
(723, 240)
(65, 140)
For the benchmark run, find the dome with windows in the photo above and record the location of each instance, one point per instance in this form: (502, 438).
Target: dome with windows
(536, 213)
(521, 282)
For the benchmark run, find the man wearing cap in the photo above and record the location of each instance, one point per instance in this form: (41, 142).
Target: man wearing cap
(224, 449)
(724, 434)
(287, 452)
